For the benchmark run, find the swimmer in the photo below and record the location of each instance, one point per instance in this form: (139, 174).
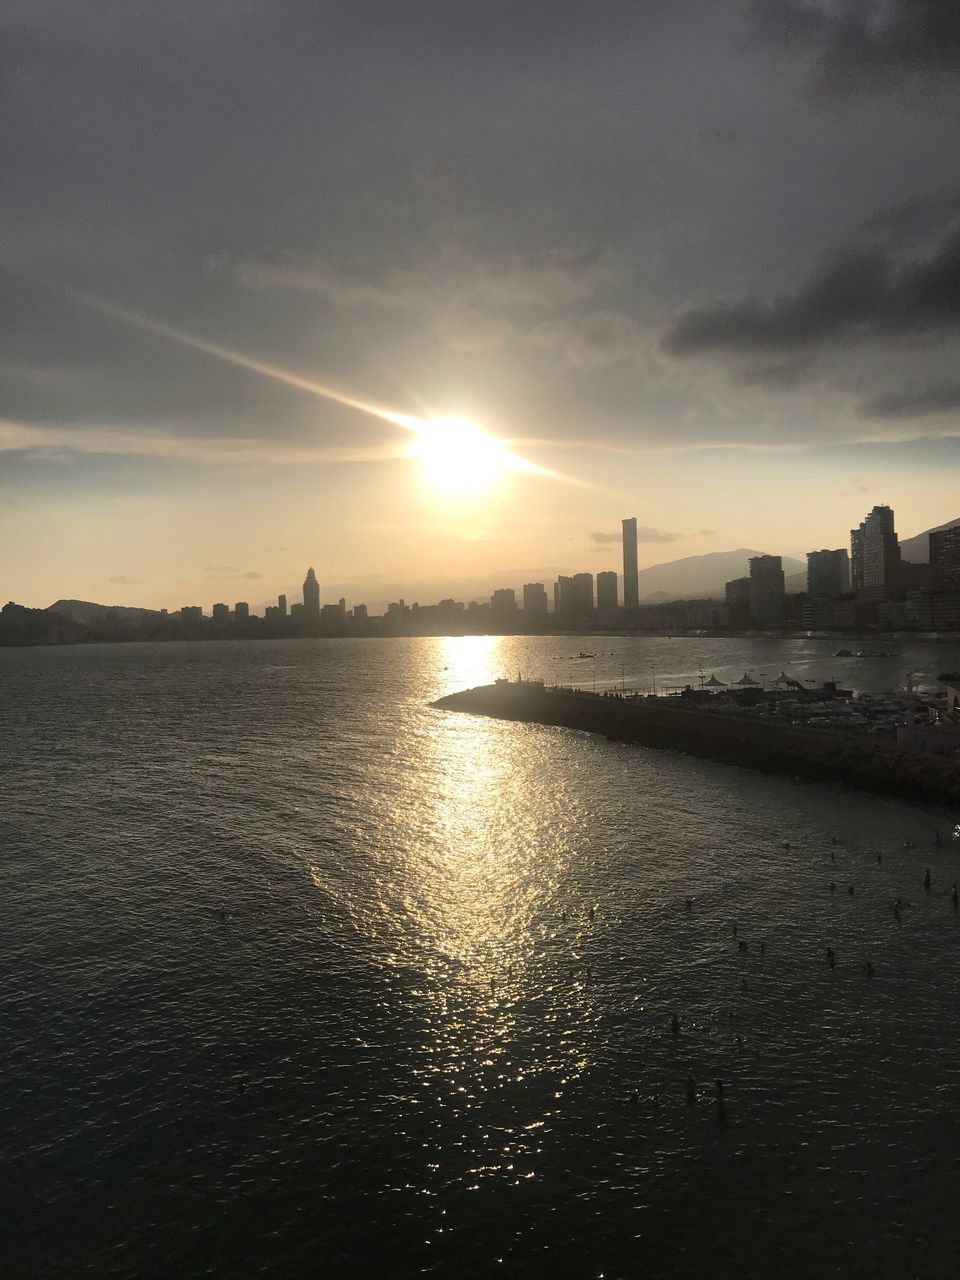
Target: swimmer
(926, 880)
(241, 1086)
(591, 913)
(868, 969)
(850, 890)
(563, 916)
(763, 948)
(953, 895)
(634, 1099)
(786, 844)
(834, 840)
(741, 945)
(833, 856)
(674, 1025)
(833, 887)
(743, 984)
(936, 840)
(896, 908)
(735, 930)
(689, 904)
(719, 1088)
(879, 859)
(691, 1090)
(831, 958)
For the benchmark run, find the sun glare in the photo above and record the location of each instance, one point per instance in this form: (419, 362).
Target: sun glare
(458, 458)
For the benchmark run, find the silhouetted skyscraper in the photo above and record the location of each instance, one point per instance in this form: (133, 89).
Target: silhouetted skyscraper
(631, 582)
(534, 600)
(607, 590)
(875, 556)
(220, 613)
(828, 573)
(583, 593)
(282, 606)
(766, 588)
(945, 559)
(241, 611)
(311, 595)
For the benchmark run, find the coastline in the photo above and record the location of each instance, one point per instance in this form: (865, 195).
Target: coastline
(795, 751)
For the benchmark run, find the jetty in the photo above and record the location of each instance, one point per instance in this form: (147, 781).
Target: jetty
(667, 724)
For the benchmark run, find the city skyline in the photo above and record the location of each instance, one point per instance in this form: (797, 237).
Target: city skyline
(870, 572)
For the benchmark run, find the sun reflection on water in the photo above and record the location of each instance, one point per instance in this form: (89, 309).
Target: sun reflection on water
(472, 839)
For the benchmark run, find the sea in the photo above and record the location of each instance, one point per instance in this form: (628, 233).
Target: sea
(302, 976)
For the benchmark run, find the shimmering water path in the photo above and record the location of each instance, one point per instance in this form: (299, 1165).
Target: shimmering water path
(288, 987)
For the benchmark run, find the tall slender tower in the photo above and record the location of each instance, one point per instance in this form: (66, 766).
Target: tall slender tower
(631, 583)
(311, 595)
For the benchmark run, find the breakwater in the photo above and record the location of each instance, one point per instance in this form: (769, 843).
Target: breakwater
(819, 755)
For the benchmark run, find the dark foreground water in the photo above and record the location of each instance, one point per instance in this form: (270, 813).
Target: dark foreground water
(391, 1054)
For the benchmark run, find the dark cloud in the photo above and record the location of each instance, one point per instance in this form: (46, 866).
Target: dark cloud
(121, 580)
(602, 538)
(866, 46)
(861, 294)
(914, 402)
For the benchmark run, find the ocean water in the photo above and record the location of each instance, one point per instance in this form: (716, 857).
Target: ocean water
(302, 977)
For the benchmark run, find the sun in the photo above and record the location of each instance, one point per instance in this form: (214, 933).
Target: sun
(458, 458)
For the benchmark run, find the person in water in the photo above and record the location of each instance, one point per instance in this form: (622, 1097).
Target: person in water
(926, 880)
(831, 958)
(691, 1090)
(953, 895)
(833, 887)
(674, 1024)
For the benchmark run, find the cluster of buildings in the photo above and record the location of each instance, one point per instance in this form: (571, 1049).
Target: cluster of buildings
(869, 586)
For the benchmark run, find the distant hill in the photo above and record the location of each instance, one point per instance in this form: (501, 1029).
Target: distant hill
(699, 577)
(22, 626)
(916, 550)
(89, 614)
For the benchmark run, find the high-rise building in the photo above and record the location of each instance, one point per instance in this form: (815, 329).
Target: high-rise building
(945, 559)
(503, 601)
(583, 593)
(220, 613)
(241, 611)
(311, 595)
(282, 606)
(767, 588)
(828, 573)
(607, 591)
(360, 612)
(563, 597)
(534, 600)
(875, 557)
(191, 613)
(631, 581)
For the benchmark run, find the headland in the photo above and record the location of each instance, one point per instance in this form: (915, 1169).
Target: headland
(667, 724)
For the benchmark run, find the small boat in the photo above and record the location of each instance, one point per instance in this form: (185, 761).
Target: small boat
(844, 653)
(581, 654)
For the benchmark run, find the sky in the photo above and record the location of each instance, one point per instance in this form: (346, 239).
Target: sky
(693, 261)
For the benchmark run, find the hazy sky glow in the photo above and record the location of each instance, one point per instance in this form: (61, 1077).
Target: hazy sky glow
(699, 257)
